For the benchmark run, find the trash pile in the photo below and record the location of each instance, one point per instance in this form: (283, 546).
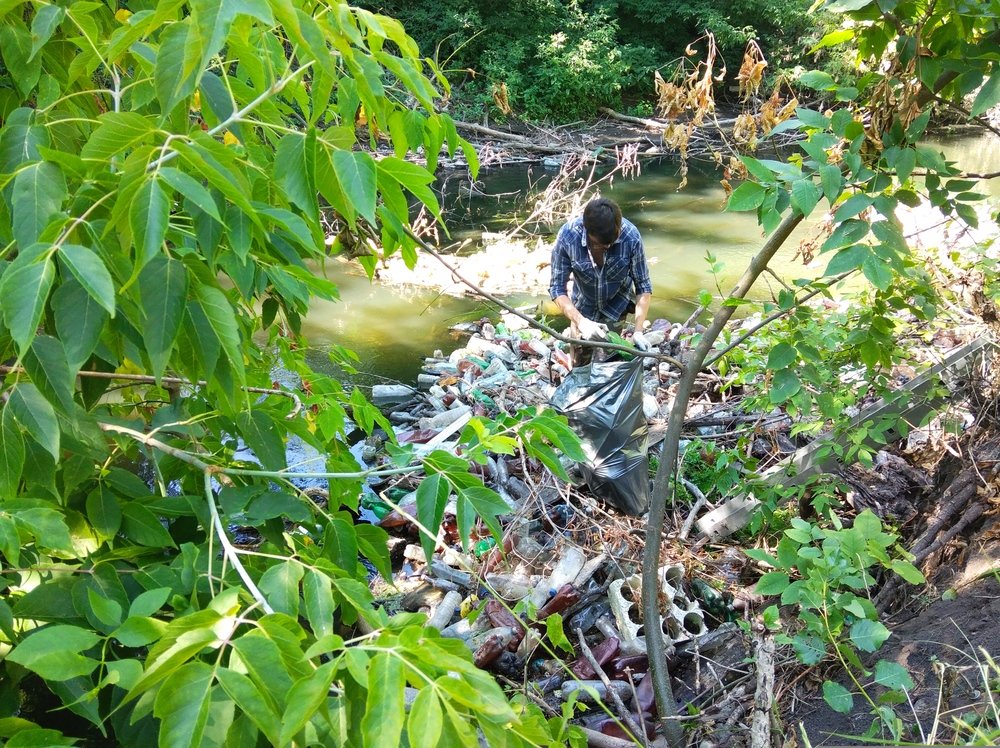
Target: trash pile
(554, 610)
(565, 549)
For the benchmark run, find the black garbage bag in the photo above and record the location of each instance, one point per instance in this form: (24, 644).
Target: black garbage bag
(603, 402)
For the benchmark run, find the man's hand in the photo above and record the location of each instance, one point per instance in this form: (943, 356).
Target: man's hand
(639, 341)
(590, 330)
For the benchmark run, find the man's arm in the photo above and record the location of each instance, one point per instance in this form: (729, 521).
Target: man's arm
(643, 284)
(641, 309)
(568, 309)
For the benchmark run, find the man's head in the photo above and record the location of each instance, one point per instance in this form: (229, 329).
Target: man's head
(602, 219)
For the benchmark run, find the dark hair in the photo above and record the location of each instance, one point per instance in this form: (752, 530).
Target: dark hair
(602, 218)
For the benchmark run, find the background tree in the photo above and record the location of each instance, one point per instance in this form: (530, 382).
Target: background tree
(169, 172)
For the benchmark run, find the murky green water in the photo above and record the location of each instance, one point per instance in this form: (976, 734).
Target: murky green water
(393, 329)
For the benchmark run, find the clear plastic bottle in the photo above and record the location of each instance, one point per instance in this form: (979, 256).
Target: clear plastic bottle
(571, 561)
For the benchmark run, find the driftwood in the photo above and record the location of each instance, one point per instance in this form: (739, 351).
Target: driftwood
(760, 724)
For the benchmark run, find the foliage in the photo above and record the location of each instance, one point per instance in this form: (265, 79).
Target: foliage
(169, 171)
(710, 467)
(831, 568)
(563, 60)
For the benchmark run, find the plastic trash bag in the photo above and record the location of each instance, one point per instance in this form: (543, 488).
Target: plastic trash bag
(603, 402)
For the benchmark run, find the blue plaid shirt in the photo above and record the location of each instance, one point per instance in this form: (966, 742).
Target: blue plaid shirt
(601, 294)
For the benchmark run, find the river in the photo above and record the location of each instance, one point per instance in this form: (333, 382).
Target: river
(393, 329)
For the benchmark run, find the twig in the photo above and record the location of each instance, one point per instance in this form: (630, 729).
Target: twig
(622, 711)
(700, 501)
(149, 379)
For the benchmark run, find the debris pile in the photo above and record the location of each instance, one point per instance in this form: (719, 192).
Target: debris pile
(554, 608)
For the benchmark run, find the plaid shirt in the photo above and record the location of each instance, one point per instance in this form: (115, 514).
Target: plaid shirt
(601, 294)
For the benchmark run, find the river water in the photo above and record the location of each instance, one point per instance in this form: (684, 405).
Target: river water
(393, 329)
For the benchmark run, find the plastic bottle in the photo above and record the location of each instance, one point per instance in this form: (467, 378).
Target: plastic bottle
(571, 561)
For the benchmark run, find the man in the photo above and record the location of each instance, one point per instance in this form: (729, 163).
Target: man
(603, 253)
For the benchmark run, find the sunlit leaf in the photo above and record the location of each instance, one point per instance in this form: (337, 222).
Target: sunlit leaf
(182, 705)
(53, 652)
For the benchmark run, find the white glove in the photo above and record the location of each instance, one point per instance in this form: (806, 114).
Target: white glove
(640, 342)
(590, 330)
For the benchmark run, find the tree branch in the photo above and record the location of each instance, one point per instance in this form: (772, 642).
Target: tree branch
(769, 319)
(662, 485)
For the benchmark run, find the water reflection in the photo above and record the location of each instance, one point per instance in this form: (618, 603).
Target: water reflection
(393, 329)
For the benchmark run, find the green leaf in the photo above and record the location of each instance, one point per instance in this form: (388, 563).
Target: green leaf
(748, 196)
(411, 177)
(46, 21)
(149, 602)
(163, 285)
(784, 385)
(222, 319)
(107, 611)
(192, 189)
(295, 170)
(846, 259)
(839, 698)
(39, 192)
(931, 159)
(104, 513)
(357, 175)
(280, 585)
(305, 699)
(782, 356)
(36, 416)
(384, 708)
(49, 528)
(340, 543)
(905, 164)
(868, 636)
(24, 289)
(988, 96)
(833, 182)
(852, 206)
(805, 195)
(91, 272)
(212, 19)
(79, 321)
(818, 80)
(907, 571)
(426, 720)
(116, 133)
(182, 705)
(432, 495)
(11, 458)
(317, 591)
(177, 64)
(143, 527)
(46, 364)
(253, 702)
(264, 438)
(372, 545)
(877, 272)
(892, 675)
(772, 583)
(149, 217)
(834, 38)
(53, 652)
(556, 634)
(139, 631)
(809, 648)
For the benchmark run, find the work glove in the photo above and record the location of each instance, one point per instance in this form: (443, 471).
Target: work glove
(590, 330)
(640, 342)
